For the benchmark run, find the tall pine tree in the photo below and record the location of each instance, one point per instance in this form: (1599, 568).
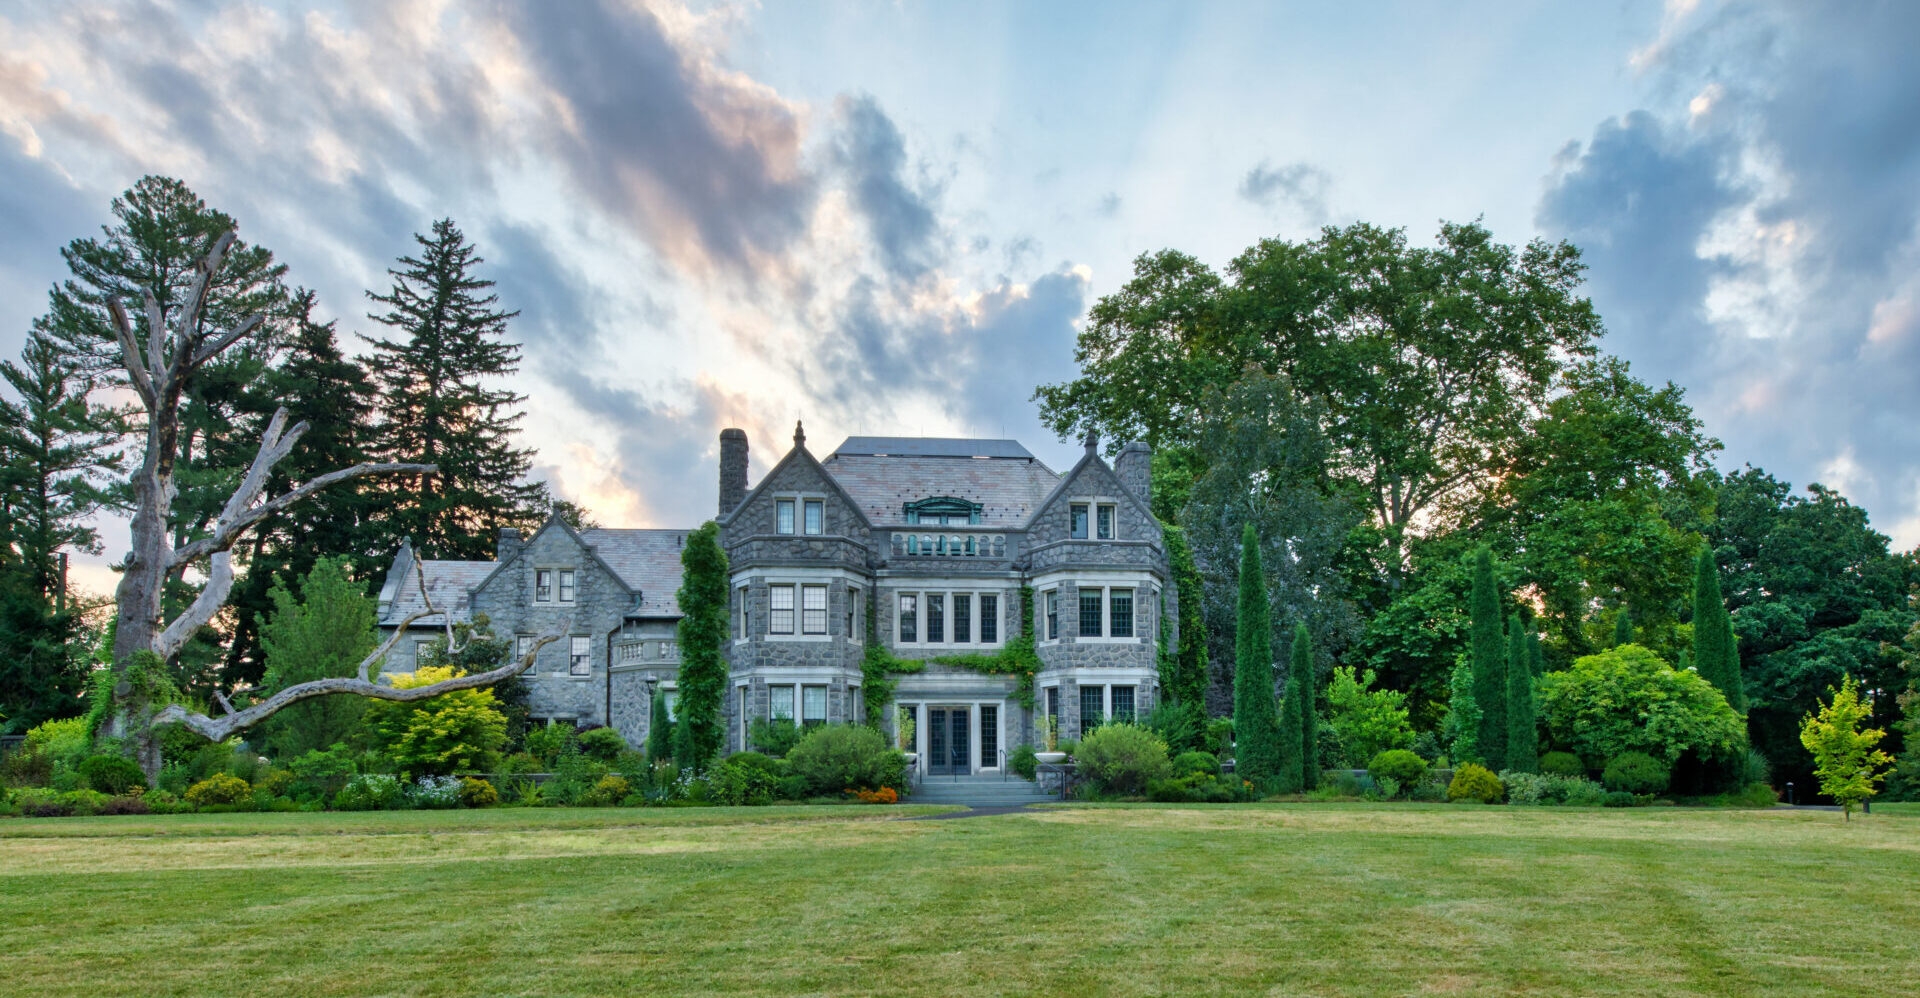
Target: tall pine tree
(1489, 649)
(1257, 751)
(1523, 736)
(329, 391)
(703, 629)
(441, 403)
(1714, 654)
(1309, 723)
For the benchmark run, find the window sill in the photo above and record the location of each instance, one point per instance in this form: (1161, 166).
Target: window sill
(799, 637)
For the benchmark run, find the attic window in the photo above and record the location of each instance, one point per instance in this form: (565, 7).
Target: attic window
(943, 510)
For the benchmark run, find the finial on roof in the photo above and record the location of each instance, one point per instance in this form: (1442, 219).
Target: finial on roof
(1093, 440)
(799, 435)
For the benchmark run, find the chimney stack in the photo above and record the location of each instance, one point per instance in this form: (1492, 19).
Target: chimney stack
(507, 546)
(733, 469)
(1134, 467)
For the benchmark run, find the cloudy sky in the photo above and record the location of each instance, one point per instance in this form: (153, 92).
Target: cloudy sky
(889, 218)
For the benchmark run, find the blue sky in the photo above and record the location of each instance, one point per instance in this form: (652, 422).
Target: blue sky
(890, 217)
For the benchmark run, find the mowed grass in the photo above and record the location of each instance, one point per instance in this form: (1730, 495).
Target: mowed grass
(1255, 899)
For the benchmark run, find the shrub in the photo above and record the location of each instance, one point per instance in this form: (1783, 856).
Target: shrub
(1548, 788)
(546, 742)
(112, 774)
(1123, 758)
(1755, 795)
(834, 758)
(125, 805)
(1023, 762)
(453, 731)
(1385, 788)
(1619, 798)
(746, 779)
(371, 792)
(1368, 721)
(1404, 767)
(318, 775)
(435, 793)
(604, 744)
(776, 737)
(1636, 773)
(884, 795)
(1562, 764)
(162, 802)
(64, 742)
(476, 792)
(1476, 783)
(220, 788)
(608, 791)
(1196, 764)
(1626, 699)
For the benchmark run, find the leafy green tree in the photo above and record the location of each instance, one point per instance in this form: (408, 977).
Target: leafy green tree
(1462, 727)
(1186, 681)
(1627, 699)
(1523, 737)
(659, 727)
(1489, 659)
(703, 630)
(326, 631)
(1428, 361)
(461, 731)
(1844, 756)
(1302, 677)
(1257, 752)
(320, 385)
(439, 405)
(1713, 653)
(1366, 721)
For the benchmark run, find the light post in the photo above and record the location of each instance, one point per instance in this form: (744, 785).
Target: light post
(1790, 792)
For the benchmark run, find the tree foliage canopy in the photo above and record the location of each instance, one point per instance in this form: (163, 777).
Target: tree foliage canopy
(1627, 699)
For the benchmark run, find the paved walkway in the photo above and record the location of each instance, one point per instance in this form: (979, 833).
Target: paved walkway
(972, 812)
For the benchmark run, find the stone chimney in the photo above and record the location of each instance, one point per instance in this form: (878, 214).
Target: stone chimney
(508, 546)
(1134, 466)
(733, 469)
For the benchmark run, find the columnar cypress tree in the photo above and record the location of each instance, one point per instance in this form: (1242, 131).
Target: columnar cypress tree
(1536, 654)
(1713, 650)
(1256, 724)
(1489, 659)
(659, 729)
(703, 628)
(1623, 628)
(1523, 738)
(1309, 733)
(440, 406)
(1291, 779)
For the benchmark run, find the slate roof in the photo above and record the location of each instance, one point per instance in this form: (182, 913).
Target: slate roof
(1000, 475)
(449, 583)
(646, 560)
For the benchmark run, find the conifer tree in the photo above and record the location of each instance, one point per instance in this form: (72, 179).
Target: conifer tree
(1623, 628)
(329, 391)
(1256, 723)
(703, 629)
(1523, 736)
(441, 404)
(1462, 727)
(1309, 722)
(659, 728)
(1714, 654)
(326, 631)
(1537, 655)
(1292, 768)
(1489, 659)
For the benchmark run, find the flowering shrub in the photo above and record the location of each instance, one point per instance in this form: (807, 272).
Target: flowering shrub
(475, 792)
(436, 793)
(1547, 788)
(884, 795)
(218, 789)
(1475, 782)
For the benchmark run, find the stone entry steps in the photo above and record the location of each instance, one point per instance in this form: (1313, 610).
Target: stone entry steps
(978, 791)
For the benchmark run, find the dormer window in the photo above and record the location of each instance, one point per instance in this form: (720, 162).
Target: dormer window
(943, 511)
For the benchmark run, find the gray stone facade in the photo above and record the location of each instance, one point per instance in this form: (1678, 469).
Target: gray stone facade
(931, 539)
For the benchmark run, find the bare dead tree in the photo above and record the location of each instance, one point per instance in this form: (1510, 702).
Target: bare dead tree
(177, 347)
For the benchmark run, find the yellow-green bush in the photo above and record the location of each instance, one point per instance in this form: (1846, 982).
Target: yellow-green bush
(1475, 782)
(475, 792)
(609, 790)
(218, 789)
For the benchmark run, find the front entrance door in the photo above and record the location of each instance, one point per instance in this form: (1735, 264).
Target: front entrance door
(948, 744)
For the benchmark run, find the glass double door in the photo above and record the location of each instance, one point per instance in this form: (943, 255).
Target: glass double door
(949, 744)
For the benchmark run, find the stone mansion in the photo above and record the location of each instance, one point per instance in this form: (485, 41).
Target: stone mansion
(935, 538)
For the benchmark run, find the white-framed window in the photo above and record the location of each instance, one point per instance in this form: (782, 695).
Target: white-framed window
(780, 702)
(579, 662)
(1090, 607)
(962, 618)
(814, 516)
(1103, 521)
(813, 705)
(783, 516)
(1122, 709)
(522, 644)
(1052, 597)
(740, 599)
(938, 618)
(856, 616)
(989, 618)
(1077, 521)
(566, 585)
(1120, 613)
(813, 609)
(543, 585)
(909, 619)
(780, 609)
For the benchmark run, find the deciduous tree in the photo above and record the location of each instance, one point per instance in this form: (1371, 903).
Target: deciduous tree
(1844, 755)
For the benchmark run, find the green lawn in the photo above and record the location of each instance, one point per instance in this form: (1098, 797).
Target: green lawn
(1257, 899)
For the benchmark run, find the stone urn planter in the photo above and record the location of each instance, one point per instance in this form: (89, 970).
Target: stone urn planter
(913, 759)
(1050, 758)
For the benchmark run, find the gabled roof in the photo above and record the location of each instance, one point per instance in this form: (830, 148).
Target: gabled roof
(648, 561)
(799, 452)
(883, 474)
(449, 583)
